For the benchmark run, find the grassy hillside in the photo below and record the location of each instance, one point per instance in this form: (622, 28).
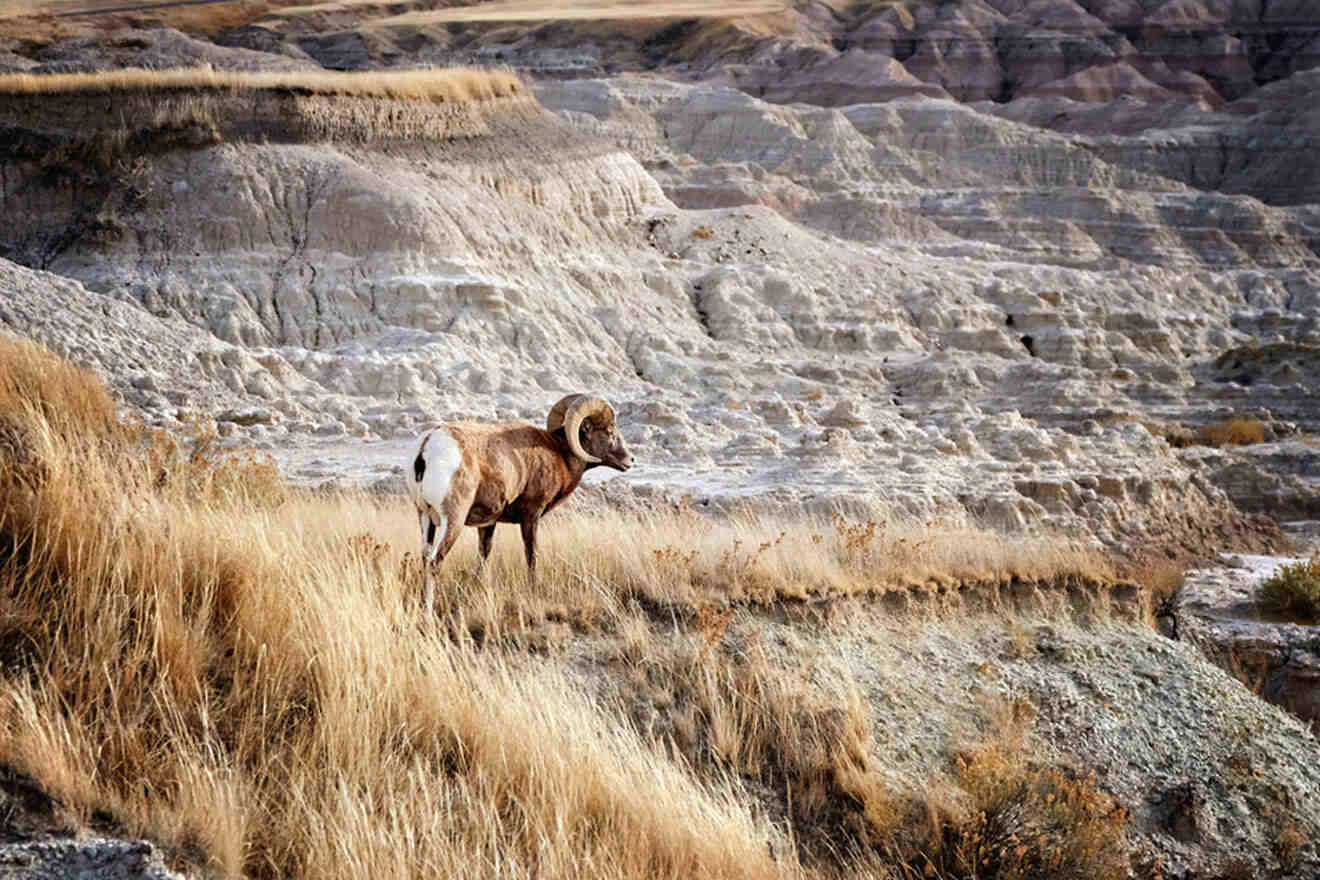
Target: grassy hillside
(196, 653)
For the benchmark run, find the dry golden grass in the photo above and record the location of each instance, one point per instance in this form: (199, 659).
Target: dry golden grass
(236, 671)
(687, 564)
(221, 668)
(588, 10)
(41, 15)
(45, 21)
(445, 85)
(19, 8)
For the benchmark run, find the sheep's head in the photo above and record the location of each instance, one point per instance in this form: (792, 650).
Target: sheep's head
(590, 430)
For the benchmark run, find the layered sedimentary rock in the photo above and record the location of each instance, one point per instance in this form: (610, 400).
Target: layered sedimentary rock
(910, 306)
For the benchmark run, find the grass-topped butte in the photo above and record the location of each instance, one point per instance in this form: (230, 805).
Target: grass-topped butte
(63, 121)
(444, 85)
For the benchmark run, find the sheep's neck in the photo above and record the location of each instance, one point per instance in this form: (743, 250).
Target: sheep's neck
(576, 466)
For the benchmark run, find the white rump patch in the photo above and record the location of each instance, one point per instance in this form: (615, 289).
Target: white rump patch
(443, 459)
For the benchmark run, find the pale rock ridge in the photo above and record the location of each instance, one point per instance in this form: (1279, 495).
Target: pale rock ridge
(156, 48)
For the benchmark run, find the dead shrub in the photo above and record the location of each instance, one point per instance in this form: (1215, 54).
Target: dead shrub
(1288, 846)
(1032, 821)
(194, 464)
(1164, 581)
(1237, 431)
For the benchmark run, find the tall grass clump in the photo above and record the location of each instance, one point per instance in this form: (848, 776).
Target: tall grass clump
(222, 668)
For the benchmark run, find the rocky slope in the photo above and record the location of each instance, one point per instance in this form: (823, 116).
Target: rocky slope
(846, 53)
(1200, 763)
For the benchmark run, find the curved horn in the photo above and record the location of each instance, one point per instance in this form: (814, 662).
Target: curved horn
(555, 420)
(570, 413)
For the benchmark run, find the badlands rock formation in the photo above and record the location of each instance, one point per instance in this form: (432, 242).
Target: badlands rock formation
(972, 262)
(916, 307)
(839, 54)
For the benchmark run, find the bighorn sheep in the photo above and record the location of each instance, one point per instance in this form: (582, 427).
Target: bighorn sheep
(479, 475)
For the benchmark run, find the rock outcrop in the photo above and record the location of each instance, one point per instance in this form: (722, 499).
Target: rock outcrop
(1279, 659)
(973, 50)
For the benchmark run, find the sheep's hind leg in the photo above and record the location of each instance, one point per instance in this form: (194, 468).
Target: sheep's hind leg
(430, 547)
(441, 538)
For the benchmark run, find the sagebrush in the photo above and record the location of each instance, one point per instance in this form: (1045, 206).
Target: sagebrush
(1293, 589)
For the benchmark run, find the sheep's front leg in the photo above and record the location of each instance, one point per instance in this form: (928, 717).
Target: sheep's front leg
(529, 525)
(485, 536)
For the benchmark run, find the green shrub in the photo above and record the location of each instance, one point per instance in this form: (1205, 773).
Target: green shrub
(1294, 588)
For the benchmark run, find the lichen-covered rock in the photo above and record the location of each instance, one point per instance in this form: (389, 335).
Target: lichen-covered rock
(67, 859)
